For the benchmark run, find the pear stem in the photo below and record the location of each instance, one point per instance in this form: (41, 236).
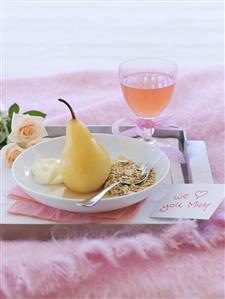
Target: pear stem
(68, 105)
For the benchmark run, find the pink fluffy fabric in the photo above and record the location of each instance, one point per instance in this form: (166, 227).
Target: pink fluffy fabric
(185, 260)
(180, 261)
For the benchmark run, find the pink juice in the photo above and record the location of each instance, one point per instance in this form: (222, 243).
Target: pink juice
(148, 93)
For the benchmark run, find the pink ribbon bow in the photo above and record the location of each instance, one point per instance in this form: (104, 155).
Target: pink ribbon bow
(141, 128)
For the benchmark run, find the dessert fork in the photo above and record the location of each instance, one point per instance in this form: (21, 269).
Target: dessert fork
(96, 198)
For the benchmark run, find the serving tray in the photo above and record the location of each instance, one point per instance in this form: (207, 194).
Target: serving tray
(196, 170)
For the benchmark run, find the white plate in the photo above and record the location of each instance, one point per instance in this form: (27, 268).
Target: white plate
(58, 196)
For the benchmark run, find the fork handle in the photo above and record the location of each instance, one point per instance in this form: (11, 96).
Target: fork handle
(95, 199)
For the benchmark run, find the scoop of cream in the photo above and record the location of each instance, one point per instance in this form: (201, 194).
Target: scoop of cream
(47, 171)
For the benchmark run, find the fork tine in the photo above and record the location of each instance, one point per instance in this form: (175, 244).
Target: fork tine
(143, 167)
(146, 168)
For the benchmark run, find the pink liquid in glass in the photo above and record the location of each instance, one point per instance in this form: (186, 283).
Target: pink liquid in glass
(148, 93)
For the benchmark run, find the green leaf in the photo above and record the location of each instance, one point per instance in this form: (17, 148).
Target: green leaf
(3, 129)
(35, 113)
(13, 109)
(8, 123)
(2, 144)
(3, 137)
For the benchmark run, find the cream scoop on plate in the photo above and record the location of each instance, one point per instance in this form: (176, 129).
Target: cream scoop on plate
(47, 171)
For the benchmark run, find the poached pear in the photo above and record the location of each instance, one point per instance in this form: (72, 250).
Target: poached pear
(85, 164)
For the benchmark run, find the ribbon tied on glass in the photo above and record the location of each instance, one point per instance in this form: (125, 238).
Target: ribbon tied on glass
(144, 128)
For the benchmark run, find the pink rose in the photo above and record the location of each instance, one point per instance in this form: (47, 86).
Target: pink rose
(27, 129)
(10, 152)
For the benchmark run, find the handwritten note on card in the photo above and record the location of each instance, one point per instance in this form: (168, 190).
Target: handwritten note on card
(190, 201)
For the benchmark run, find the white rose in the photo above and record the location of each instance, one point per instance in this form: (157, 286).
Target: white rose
(27, 129)
(10, 152)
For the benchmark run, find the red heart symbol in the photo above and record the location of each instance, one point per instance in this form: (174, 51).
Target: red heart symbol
(200, 193)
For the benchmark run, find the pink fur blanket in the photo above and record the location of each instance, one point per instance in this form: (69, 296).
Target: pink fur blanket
(185, 260)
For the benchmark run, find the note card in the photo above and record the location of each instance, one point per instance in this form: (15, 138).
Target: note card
(190, 201)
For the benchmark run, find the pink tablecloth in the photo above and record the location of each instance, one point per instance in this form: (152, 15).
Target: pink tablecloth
(182, 261)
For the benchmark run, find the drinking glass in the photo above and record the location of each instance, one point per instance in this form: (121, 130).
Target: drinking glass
(147, 85)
